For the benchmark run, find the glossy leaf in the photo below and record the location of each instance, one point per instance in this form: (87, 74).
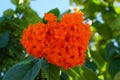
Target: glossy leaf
(64, 76)
(72, 74)
(26, 70)
(85, 73)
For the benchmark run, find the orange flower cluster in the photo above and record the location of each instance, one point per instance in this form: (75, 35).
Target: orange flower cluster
(61, 43)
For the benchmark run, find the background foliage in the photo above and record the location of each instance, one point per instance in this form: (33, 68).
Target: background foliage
(103, 55)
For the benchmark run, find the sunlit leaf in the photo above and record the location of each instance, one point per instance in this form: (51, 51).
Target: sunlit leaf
(85, 73)
(117, 9)
(100, 62)
(55, 11)
(31, 16)
(72, 74)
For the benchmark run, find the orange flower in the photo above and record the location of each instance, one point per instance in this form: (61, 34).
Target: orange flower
(61, 43)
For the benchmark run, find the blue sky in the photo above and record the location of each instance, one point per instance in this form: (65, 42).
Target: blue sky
(40, 6)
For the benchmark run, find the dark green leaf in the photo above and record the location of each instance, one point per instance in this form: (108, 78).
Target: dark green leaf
(52, 71)
(26, 70)
(91, 65)
(55, 11)
(4, 38)
(103, 29)
(110, 50)
(114, 66)
(64, 76)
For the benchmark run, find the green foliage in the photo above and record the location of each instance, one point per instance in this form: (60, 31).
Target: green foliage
(55, 11)
(30, 16)
(87, 74)
(103, 57)
(9, 12)
(4, 38)
(51, 71)
(25, 70)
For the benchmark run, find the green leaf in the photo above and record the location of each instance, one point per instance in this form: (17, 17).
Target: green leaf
(117, 9)
(9, 12)
(4, 38)
(114, 66)
(55, 11)
(86, 74)
(91, 65)
(104, 30)
(72, 74)
(25, 70)
(100, 62)
(21, 5)
(110, 50)
(117, 76)
(52, 71)
(64, 76)
(15, 1)
(115, 25)
(31, 17)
